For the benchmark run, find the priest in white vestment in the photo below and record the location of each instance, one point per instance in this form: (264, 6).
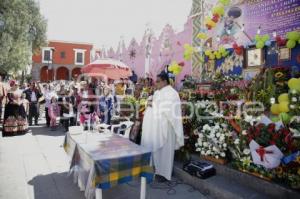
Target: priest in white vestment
(162, 129)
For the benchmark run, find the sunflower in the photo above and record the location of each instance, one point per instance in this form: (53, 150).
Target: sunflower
(279, 74)
(279, 170)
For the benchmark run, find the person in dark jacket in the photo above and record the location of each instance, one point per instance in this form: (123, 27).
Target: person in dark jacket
(67, 113)
(134, 77)
(33, 95)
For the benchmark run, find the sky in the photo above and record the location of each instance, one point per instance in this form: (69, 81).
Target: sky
(104, 22)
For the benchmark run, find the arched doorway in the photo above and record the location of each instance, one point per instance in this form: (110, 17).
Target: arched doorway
(76, 72)
(45, 74)
(62, 73)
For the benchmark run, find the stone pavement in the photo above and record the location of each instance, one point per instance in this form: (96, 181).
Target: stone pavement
(35, 166)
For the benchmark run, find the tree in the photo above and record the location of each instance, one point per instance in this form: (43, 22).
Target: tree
(22, 31)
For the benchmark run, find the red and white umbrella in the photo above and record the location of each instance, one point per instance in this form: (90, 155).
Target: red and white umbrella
(110, 68)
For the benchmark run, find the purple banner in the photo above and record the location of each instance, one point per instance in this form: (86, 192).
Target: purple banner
(281, 16)
(243, 18)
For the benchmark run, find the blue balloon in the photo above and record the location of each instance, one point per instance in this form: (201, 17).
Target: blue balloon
(268, 43)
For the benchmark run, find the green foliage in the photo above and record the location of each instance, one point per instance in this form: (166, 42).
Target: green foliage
(24, 31)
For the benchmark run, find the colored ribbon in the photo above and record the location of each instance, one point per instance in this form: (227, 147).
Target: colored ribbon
(262, 152)
(290, 158)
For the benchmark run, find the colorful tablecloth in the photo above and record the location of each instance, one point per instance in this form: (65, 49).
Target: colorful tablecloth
(105, 160)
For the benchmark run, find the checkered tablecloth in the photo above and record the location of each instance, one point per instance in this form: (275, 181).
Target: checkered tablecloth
(106, 160)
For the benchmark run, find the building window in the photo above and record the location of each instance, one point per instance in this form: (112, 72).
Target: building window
(63, 54)
(47, 55)
(79, 56)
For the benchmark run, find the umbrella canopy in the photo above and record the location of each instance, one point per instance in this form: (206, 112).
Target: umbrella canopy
(109, 68)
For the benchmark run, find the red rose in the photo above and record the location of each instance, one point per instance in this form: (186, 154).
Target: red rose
(257, 132)
(250, 138)
(272, 142)
(272, 126)
(276, 136)
(288, 139)
(251, 130)
(270, 130)
(285, 132)
(260, 126)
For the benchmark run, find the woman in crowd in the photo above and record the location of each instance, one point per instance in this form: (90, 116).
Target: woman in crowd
(87, 106)
(2, 96)
(25, 104)
(139, 88)
(120, 87)
(106, 105)
(15, 117)
(67, 113)
(48, 93)
(53, 113)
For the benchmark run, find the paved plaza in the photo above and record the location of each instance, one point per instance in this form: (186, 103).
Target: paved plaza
(35, 166)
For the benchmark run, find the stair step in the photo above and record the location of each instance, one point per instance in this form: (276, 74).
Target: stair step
(218, 187)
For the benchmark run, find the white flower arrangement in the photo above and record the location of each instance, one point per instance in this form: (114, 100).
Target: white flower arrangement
(237, 141)
(250, 119)
(212, 140)
(292, 106)
(294, 99)
(238, 149)
(246, 151)
(293, 91)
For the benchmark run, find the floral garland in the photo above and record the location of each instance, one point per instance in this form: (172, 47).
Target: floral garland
(212, 140)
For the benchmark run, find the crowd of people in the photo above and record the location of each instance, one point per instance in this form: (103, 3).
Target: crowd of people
(65, 103)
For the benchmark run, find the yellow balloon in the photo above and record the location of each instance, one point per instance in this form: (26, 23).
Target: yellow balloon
(218, 55)
(177, 71)
(219, 10)
(211, 23)
(202, 35)
(175, 68)
(275, 109)
(284, 107)
(188, 51)
(207, 52)
(212, 56)
(283, 97)
(294, 83)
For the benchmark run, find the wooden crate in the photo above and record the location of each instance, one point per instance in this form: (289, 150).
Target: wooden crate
(256, 174)
(212, 159)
